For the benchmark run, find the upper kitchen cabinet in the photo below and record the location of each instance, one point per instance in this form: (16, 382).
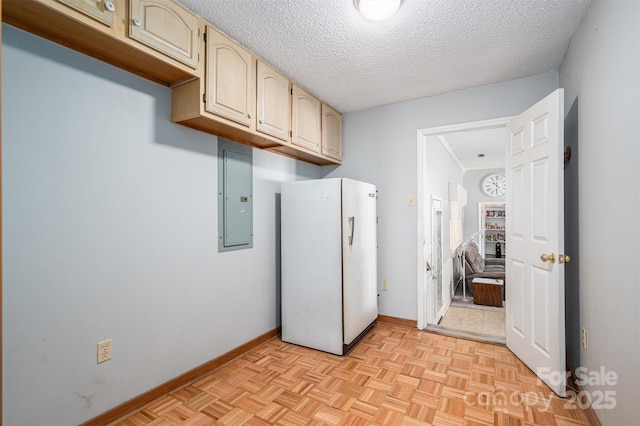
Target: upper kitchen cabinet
(230, 90)
(67, 21)
(162, 48)
(217, 86)
(167, 27)
(273, 102)
(223, 101)
(306, 120)
(100, 10)
(331, 133)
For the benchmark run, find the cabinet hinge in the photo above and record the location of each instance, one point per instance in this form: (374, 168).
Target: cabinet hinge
(204, 98)
(291, 133)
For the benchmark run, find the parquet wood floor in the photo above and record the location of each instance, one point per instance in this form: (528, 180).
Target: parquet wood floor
(395, 376)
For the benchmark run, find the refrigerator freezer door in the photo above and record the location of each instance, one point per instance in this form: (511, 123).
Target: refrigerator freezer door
(358, 257)
(311, 265)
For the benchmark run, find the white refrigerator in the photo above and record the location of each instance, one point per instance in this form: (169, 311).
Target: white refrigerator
(329, 263)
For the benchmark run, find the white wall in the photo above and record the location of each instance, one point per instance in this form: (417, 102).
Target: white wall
(110, 231)
(440, 169)
(601, 72)
(472, 180)
(380, 146)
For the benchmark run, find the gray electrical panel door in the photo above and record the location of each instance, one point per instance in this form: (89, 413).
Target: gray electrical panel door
(235, 196)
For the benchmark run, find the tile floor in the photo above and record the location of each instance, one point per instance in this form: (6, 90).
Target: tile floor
(489, 322)
(395, 376)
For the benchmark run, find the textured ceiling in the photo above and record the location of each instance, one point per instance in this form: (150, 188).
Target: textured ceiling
(429, 47)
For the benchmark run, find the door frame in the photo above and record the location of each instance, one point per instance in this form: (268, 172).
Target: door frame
(423, 203)
(432, 311)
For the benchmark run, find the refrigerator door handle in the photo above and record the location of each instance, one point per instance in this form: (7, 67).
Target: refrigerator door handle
(352, 222)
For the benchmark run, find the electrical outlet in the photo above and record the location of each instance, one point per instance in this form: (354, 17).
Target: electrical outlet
(385, 285)
(104, 351)
(583, 337)
(411, 201)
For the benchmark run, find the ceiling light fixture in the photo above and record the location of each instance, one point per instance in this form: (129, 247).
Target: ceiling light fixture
(377, 10)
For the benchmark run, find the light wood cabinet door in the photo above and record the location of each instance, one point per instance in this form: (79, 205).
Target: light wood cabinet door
(306, 120)
(331, 133)
(230, 79)
(274, 102)
(100, 10)
(167, 27)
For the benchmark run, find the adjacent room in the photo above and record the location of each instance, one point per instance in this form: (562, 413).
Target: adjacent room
(297, 212)
(465, 167)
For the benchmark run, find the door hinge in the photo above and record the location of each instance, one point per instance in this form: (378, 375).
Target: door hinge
(204, 37)
(290, 133)
(204, 98)
(291, 91)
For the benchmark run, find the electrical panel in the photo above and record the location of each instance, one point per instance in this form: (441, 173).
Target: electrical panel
(235, 196)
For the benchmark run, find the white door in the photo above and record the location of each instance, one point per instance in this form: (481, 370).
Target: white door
(535, 240)
(359, 257)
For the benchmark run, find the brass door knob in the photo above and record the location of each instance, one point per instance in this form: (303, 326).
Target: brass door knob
(564, 258)
(551, 258)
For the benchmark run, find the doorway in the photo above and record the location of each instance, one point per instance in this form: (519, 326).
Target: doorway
(533, 146)
(480, 308)
(431, 306)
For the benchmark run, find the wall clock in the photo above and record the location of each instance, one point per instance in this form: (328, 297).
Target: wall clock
(494, 185)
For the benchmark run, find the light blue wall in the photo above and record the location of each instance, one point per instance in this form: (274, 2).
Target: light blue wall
(110, 231)
(380, 146)
(601, 73)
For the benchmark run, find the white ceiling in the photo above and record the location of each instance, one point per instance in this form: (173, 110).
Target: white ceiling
(429, 47)
(466, 146)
